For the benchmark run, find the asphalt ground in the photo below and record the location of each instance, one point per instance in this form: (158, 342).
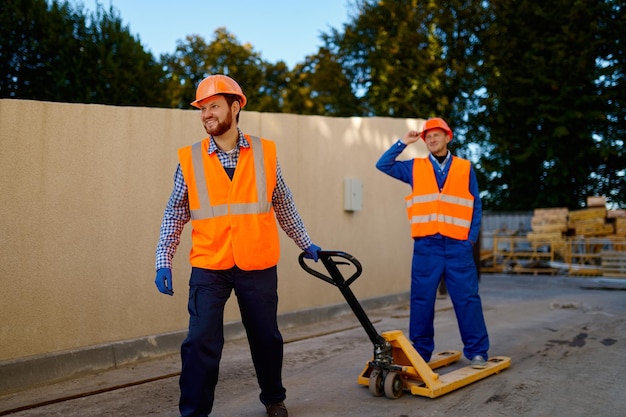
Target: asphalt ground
(566, 338)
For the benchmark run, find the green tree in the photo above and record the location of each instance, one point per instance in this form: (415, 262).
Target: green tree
(116, 67)
(321, 86)
(609, 176)
(50, 51)
(272, 89)
(35, 39)
(549, 135)
(409, 58)
(194, 59)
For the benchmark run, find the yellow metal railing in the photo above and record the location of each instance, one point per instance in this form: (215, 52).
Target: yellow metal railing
(534, 254)
(584, 254)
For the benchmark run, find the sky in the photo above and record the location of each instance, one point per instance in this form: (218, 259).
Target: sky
(286, 30)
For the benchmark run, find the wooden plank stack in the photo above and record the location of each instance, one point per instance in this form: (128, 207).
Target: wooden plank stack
(596, 220)
(548, 223)
(618, 218)
(591, 240)
(614, 264)
(607, 226)
(590, 222)
(596, 201)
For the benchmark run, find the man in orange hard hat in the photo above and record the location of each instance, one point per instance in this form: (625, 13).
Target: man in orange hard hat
(230, 186)
(444, 211)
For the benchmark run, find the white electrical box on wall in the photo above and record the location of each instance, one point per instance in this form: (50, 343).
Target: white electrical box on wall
(352, 194)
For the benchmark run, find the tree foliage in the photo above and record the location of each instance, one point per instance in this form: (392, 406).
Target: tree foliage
(551, 135)
(409, 58)
(50, 51)
(321, 85)
(194, 59)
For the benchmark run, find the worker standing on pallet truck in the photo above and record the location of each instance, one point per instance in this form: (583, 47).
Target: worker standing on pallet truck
(444, 211)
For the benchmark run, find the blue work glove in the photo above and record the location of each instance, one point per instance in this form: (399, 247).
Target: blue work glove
(311, 252)
(163, 281)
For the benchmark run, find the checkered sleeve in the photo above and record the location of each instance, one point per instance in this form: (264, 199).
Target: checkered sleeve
(175, 216)
(287, 214)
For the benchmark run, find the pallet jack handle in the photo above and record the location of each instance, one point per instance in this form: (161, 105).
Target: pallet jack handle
(337, 279)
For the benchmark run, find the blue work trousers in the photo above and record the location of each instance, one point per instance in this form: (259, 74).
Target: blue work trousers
(435, 257)
(201, 351)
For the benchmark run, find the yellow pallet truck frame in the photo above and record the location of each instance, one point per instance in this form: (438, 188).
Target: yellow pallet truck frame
(396, 366)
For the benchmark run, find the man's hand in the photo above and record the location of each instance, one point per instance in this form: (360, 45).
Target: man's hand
(163, 281)
(411, 136)
(311, 252)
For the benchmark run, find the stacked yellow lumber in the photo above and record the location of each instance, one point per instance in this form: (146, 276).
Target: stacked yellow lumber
(588, 214)
(620, 226)
(614, 264)
(618, 219)
(548, 226)
(616, 214)
(590, 222)
(549, 221)
(596, 201)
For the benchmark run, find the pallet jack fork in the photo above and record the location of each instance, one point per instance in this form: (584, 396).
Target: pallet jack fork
(396, 366)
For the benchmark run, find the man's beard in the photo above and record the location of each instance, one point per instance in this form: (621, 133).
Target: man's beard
(221, 127)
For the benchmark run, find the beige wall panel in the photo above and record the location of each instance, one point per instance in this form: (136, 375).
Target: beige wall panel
(83, 190)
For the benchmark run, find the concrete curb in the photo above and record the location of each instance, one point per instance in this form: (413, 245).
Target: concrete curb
(24, 373)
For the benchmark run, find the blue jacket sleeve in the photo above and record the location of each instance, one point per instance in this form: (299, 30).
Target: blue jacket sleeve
(478, 208)
(401, 170)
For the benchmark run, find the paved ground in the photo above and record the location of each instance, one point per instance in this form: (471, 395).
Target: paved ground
(566, 338)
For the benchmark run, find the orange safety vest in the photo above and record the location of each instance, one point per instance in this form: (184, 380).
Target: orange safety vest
(447, 211)
(233, 221)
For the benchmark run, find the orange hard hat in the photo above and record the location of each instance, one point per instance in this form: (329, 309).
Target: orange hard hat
(434, 123)
(218, 84)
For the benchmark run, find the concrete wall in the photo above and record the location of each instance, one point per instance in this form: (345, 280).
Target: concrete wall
(83, 189)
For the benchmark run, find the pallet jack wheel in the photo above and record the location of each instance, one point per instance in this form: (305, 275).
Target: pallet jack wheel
(393, 385)
(376, 383)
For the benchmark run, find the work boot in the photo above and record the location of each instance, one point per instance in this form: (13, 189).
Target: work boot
(277, 410)
(478, 362)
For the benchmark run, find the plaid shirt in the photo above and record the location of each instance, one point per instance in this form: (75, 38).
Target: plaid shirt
(177, 212)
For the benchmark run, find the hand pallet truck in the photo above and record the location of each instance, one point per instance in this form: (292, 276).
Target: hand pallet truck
(396, 366)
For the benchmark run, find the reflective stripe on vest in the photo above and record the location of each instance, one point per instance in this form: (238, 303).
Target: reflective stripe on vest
(449, 211)
(429, 198)
(206, 210)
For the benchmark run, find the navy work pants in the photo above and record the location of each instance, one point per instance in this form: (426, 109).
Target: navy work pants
(201, 351)
(434, 257)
